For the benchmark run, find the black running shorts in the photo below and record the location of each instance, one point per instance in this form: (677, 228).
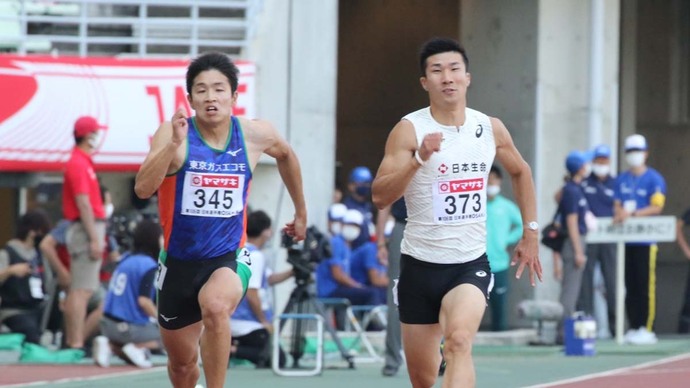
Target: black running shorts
(423, 285)
(178, 295)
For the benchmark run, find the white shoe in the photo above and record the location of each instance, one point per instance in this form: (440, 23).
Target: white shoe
(101, 351)
(644, 337)
(137, 356)
(629, 334)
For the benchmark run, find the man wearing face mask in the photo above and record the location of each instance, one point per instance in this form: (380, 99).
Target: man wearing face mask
(599, 190)
(503, 228)
(82, 205)
(333, 278)
(359, 198)
(640, 192)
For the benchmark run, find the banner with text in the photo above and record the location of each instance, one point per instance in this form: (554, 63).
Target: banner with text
(634, 229)
(43, 96)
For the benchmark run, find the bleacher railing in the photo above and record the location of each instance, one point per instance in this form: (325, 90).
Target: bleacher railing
(128, 27)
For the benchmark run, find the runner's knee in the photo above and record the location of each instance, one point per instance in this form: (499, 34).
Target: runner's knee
(215, 312)
(458, 342)
(183, 368)
(423, 379)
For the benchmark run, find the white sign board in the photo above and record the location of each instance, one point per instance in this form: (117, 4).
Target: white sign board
(43, 96)
(634, 229)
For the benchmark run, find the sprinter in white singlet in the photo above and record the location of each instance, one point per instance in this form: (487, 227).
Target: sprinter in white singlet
(439, 158)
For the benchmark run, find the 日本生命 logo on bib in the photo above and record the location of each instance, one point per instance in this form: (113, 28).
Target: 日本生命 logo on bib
(459, 201)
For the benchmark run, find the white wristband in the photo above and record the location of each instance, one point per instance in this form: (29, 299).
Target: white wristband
(419, 158)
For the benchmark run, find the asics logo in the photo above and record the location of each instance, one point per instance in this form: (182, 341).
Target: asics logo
(481, 274)
(235, 152)
(166, 318)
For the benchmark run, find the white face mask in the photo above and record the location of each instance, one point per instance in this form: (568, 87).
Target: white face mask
(350, 232)
(635, 158)
(94, 140)
(336, 228)
(601, 170)
(493, 190)
(588, 170)
(109, 209)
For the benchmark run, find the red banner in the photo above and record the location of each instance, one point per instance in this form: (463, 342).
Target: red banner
(43, 96)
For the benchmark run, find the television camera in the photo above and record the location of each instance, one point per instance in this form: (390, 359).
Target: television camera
(307, 254)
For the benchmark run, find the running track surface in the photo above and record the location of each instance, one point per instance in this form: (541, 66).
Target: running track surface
(670, 372)
(664, 365)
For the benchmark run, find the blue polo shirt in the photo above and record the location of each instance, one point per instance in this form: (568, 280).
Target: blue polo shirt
(573, 201)
(362, 260)
(325, 284)
(599, 194)
(638, 192)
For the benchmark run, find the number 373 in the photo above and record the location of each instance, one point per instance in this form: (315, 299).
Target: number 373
(216, 198)
(454, 202)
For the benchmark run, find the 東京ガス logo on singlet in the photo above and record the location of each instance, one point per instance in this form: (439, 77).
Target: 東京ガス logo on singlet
(212, 195)
(459, 201)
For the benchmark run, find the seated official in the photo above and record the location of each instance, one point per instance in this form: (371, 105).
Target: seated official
(366, 269)
(21, 277)
(129, 324)
(251, 323)
(333, 276)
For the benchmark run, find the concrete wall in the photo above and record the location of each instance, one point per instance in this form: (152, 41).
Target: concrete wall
(295, 49)
(658, 54)
(501, 42)
(563, 98)
(378, 70)
(530, 65)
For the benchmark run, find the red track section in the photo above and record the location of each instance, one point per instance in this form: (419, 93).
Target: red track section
(674, 372)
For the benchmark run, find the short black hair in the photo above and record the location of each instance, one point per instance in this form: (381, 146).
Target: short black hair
(211, 61)
(146, 236)
(36, 220)
(441, 45)
(496, 170)
(257, 222)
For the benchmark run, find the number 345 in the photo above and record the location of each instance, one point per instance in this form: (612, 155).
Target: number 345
(214, 199)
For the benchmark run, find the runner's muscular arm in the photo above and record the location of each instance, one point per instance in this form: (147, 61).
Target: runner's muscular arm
(264, 138)
(527, 250)
(381, 243)
(397, 167)
(158, 162)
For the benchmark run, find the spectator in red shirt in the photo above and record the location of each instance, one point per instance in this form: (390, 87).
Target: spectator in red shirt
(83, 206)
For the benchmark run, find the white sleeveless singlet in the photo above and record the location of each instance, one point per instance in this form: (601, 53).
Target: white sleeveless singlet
(446, 198)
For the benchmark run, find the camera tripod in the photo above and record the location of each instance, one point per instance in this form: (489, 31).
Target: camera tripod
(299, 302)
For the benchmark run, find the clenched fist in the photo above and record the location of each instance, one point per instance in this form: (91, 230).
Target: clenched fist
(430, 144)
(180, 127)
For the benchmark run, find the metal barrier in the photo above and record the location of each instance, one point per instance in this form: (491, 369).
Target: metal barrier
(275, 363)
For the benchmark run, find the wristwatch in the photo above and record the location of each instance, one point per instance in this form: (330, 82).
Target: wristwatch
(533, 225)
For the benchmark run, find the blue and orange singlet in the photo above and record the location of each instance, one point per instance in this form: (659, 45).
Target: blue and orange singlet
(202, 206)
